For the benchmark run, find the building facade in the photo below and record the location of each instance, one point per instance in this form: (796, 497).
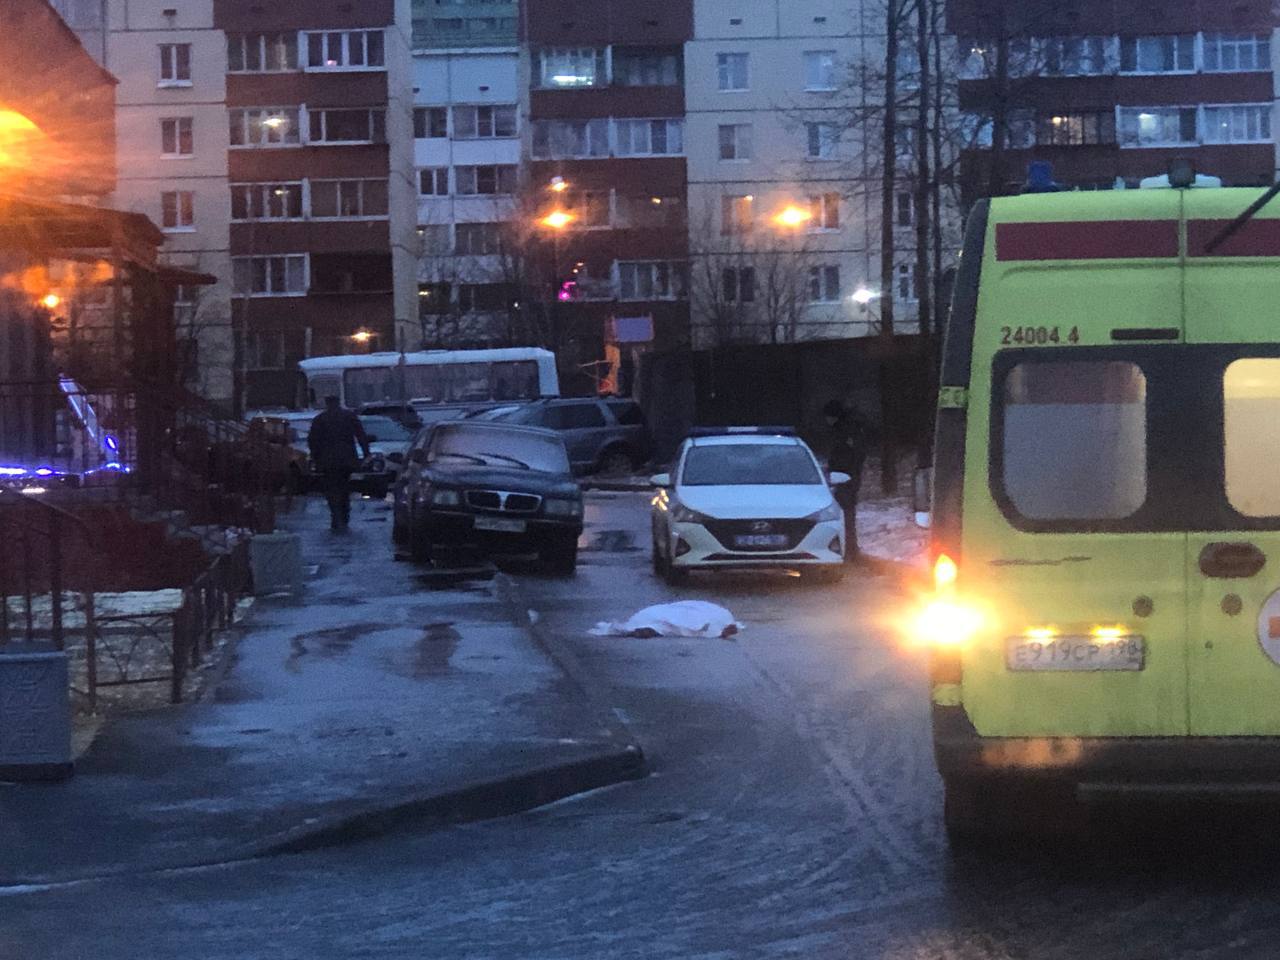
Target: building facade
(605, 189)
(467, 129)
(784, 196)
(1111, 92)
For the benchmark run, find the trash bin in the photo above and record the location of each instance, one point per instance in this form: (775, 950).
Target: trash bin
(35, 713)
(276, 562)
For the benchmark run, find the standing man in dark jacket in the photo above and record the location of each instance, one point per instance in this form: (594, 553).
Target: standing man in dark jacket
(850, 441)
(333, 439)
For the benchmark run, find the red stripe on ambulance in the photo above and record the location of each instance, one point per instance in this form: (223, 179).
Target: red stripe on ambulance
(1087, 240)
(1257, 238)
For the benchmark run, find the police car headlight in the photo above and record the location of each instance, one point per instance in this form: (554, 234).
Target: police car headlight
(831, 512)
(562, 508)
(446, 498)
(682, 514)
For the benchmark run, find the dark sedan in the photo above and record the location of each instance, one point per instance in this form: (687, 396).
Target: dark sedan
(494, 487)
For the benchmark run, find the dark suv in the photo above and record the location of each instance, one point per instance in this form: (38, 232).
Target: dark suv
(603, 435)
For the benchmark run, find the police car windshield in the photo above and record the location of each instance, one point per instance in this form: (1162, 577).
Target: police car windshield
(740, 464)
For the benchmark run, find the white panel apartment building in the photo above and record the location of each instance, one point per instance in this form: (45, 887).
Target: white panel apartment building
(172, 153)
(467, 151)
(784, 206)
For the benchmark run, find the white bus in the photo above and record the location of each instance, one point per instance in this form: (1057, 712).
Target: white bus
(432, 376)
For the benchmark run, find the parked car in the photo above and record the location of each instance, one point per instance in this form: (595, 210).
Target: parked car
(281, 438)
(388, 443)
(493, 487)
(603, 435)
(404, 414)
(740, 500)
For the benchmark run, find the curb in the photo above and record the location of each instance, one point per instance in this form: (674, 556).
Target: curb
(482, 801)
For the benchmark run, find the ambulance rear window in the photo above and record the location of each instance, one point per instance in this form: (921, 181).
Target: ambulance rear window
(1251, 417)
(1075, 439)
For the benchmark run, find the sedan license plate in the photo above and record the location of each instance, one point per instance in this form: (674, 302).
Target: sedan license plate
(1075, 653)
(761, 540)
(499, 525)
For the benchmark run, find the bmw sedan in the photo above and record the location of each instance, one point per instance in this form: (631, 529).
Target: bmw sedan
(747, 500)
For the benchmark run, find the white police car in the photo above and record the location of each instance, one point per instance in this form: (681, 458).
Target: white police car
(746, 498)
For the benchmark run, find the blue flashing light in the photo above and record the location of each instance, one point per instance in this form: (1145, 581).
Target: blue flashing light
(110, 443)
(45, 472)
(13, 471)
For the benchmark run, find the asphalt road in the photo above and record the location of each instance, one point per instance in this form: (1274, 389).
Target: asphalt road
(793, 811)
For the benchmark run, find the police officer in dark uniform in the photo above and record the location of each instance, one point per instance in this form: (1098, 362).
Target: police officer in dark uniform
(850, 442)
(333, 439)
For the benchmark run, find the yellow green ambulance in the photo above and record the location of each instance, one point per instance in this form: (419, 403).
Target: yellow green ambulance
(1106, 503)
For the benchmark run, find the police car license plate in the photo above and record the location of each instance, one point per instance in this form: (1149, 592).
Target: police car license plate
(499, 525)
(1083, 653)
(761, 540)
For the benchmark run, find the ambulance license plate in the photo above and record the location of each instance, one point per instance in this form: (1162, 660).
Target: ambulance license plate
(499, 525)
(1080, 653)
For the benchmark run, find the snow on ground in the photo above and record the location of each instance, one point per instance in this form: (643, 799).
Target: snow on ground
(887, 530)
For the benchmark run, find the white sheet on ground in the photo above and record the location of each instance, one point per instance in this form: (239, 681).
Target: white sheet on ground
(685, 618)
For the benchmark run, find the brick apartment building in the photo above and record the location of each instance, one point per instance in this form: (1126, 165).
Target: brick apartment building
(1110, 91)
(604, 97)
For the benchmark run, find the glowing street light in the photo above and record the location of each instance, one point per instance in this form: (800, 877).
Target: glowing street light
(557, 220)
(362, 336)
(559, 185)
(863, 296)
(793, 216)
(50, 301)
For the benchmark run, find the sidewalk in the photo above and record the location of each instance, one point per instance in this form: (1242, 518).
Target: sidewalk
(387, 696)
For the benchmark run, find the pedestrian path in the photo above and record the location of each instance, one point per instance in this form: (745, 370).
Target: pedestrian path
(376, 694)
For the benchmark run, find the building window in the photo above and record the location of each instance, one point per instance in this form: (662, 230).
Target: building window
(565, 139)
(345, 50)
(433, 181)
(175, 137)
(825, 211)
(651, 280)
(821, 140)
(484, 123)
(1238, 123)
(733, 70)
(485, 180)
(483, 297)
(337, 199)
(1237, 52)
(434, 298)
(649, 138)
(591, 208)
(905, 282)
(175, 64)
(1157, 126)
(265, 127)
(1074, 56)
(266, 350)
(177, 210)
(435, 239)
(1174, 53)
(1076, 129)
(738, 284)
(653, 213)
(824, 284)
(735, 141)
(266, 201)
(186, 302)
(646, 68)
(348, 126)
(820, 70)
(431, 123)
(262, 52)
(477, 239)
(737, 214)
(276, 276)
(559, 68)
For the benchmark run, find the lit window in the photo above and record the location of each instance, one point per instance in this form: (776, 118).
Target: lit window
(820, 70)
(345, 50)
(175, 64)
(559, 68)
(1157, 126)
(265, 127)
(266, 201)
